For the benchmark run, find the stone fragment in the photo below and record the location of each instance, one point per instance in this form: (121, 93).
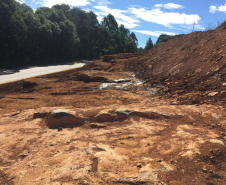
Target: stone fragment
(59, 129)
(204, 169)
(213, 93)
(39, 115)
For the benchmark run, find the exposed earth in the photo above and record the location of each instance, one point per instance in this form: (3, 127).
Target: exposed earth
(154, 118)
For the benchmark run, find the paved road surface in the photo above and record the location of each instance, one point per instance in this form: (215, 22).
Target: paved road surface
(36, 71)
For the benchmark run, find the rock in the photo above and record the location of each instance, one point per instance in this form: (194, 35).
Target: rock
(204, 169)
(85, 77)
(39, 115)
(59, 129)
(213, 93)
(142, 178)
(125, 112)
(110, 116)
(130, 180)
(23, 155)
(100, 149)
(96, 125)
(63, 119)
(139, 165)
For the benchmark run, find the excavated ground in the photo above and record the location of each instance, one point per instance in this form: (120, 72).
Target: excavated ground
(115, 121)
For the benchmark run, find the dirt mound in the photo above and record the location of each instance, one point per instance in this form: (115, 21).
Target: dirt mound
(189, 63)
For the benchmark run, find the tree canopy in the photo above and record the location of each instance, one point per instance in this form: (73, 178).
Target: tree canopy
(58, 33)
(164, 38)
(149, 44)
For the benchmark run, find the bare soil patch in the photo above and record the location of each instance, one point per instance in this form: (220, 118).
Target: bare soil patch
(152, 118)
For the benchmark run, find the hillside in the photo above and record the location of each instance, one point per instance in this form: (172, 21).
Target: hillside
(153, 118)
(190, 63)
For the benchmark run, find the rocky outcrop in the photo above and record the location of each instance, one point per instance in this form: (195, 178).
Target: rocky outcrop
(69, 119)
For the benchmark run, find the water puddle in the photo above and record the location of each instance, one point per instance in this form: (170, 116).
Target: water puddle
(121, 84)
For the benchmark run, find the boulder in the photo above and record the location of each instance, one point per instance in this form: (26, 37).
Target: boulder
(63, 119)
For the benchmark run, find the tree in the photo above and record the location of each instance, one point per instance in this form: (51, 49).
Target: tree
(82, 21)
(69, 38)
(64, 8)
(56, 33)
(7, 9)
(164, 38)
(126, 41)
(149, 44)
(18, 35)
(140, 50)
(132, 43)
(110, 23)
(134, 38)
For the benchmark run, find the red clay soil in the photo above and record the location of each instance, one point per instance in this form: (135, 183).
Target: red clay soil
(189, 63)
(154, 118)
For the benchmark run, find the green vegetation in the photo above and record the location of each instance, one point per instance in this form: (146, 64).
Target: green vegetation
(164, 38)
(149, 44)
(60, 33)
(222, 25)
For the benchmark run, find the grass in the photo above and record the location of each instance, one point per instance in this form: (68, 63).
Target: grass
(222, 25)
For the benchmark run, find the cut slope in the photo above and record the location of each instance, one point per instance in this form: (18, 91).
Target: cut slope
(194, 62)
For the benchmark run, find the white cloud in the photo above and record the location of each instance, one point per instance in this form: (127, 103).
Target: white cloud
(167, 33)
(214, 9)
(169, 6)
(120, 16)
(50, 3)
(222, 8)
(164, 18)
(145, 32)
(190, 27)
(21, 1)
(102, 2)
(199, 27)
(153, 33)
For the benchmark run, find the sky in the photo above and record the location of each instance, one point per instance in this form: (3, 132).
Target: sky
(150, 18)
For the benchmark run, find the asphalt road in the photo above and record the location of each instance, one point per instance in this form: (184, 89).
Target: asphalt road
(36, 71)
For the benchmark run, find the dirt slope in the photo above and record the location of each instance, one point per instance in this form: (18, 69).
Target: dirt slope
(155, 118)
(190, 63)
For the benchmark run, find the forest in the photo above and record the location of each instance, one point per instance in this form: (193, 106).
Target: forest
(60, 33)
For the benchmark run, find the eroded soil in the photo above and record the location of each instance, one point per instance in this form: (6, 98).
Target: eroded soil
(131, 130)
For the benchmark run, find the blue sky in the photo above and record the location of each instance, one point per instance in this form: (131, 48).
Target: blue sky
(150, 18)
